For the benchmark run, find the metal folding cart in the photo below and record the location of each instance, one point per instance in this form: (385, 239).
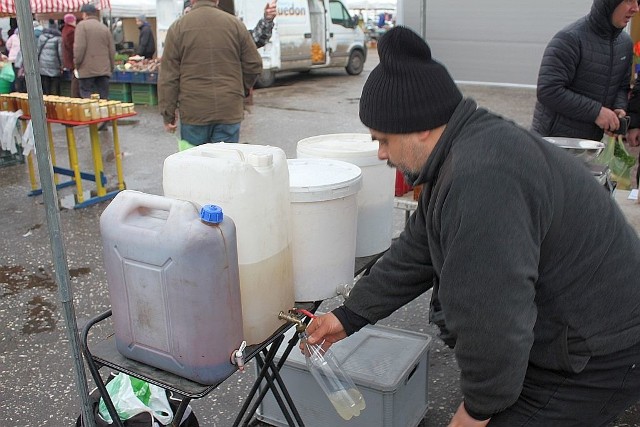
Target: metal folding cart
(105, 354)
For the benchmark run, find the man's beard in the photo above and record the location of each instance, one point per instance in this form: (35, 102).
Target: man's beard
(402, 169)
(409, 176)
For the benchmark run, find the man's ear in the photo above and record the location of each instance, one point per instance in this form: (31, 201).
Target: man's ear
(423, 135)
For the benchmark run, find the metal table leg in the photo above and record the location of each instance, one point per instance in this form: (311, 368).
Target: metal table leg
(95, 370)
(264, 375)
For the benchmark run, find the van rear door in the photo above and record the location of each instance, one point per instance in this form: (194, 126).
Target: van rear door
(293, 24)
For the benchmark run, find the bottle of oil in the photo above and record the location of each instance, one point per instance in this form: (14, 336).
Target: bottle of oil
(334, 381)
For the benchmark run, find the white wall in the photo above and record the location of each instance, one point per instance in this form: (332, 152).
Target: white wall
(494, 41)
(167, 12)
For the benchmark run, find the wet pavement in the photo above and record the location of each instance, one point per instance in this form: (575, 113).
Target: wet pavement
(37, 385)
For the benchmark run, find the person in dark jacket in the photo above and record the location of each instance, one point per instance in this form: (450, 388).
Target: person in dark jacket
(532, 264)
(584, 77)
(146, 42)
(50, 60)
(633, 110)
(68, 36)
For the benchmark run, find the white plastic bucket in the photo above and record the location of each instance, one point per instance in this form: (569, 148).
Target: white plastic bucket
(375, 199)
(251, 184)
(324, 215)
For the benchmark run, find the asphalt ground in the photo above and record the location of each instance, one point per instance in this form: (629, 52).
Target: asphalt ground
(37, 381)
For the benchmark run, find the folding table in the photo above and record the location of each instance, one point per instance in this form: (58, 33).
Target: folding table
(74, 171)
(105, 354)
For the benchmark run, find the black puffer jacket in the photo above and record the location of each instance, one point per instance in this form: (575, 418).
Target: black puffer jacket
(586, 66)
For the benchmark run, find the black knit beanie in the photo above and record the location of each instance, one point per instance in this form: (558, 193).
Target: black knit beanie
(407, 91)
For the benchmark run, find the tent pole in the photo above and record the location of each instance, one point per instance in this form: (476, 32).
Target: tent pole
(45, 169)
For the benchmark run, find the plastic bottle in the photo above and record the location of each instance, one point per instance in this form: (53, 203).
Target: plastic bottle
(334, 381)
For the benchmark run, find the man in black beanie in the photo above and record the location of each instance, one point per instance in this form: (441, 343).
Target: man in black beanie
(531, 262)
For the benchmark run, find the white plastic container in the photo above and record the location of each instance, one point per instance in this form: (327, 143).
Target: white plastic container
(173, 283)
(375, 199)
(251, 183)
(324, 214)
(389, 366)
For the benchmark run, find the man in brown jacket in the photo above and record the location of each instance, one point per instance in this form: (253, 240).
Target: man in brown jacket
(93, 54)
(209, 64)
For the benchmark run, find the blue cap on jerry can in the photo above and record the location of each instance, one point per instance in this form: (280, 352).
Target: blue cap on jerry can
(211, 213)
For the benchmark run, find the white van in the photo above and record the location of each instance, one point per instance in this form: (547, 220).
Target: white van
(308, 34)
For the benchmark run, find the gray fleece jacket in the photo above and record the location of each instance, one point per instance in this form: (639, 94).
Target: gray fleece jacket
(530, 258)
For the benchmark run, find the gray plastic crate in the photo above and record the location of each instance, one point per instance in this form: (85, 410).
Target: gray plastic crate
(389, 366)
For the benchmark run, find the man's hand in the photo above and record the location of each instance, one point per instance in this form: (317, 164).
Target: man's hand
(620, 112)
(633, 137)
(325, 329)
(462, 419)
(270, 11)
(170, 127)
(607, 120)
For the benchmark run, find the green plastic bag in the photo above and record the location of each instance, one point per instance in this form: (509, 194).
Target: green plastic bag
(132, 396)
(6, 72)
(620, 162)
(184, 145)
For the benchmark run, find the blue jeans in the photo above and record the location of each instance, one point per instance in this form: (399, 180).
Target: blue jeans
(202, 134)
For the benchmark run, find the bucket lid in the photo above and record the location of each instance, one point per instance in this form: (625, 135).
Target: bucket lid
(315, 180)
(356, 148)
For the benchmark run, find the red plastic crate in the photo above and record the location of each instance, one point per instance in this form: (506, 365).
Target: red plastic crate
(402, 187)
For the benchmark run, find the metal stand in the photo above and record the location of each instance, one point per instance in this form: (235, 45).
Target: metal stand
(104, 353)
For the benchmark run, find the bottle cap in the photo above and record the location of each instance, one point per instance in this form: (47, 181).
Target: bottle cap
(211, 214)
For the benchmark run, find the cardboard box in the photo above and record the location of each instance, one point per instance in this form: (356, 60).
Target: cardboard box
(389, 366)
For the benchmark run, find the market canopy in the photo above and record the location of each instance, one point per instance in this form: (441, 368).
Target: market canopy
(371, 4)
(8, 7)
(131, 9)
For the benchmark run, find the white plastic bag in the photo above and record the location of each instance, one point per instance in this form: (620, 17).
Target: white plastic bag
(10, 136)
(28, 140)
(132, 399)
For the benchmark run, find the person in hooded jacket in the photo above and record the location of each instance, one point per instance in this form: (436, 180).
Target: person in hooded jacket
(146, 42)
(50, 60)
(584, 77)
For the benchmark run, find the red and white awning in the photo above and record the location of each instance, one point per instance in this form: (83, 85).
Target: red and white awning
(8, 7)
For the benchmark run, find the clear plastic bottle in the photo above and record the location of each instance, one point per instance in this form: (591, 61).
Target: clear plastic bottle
(334, 381)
